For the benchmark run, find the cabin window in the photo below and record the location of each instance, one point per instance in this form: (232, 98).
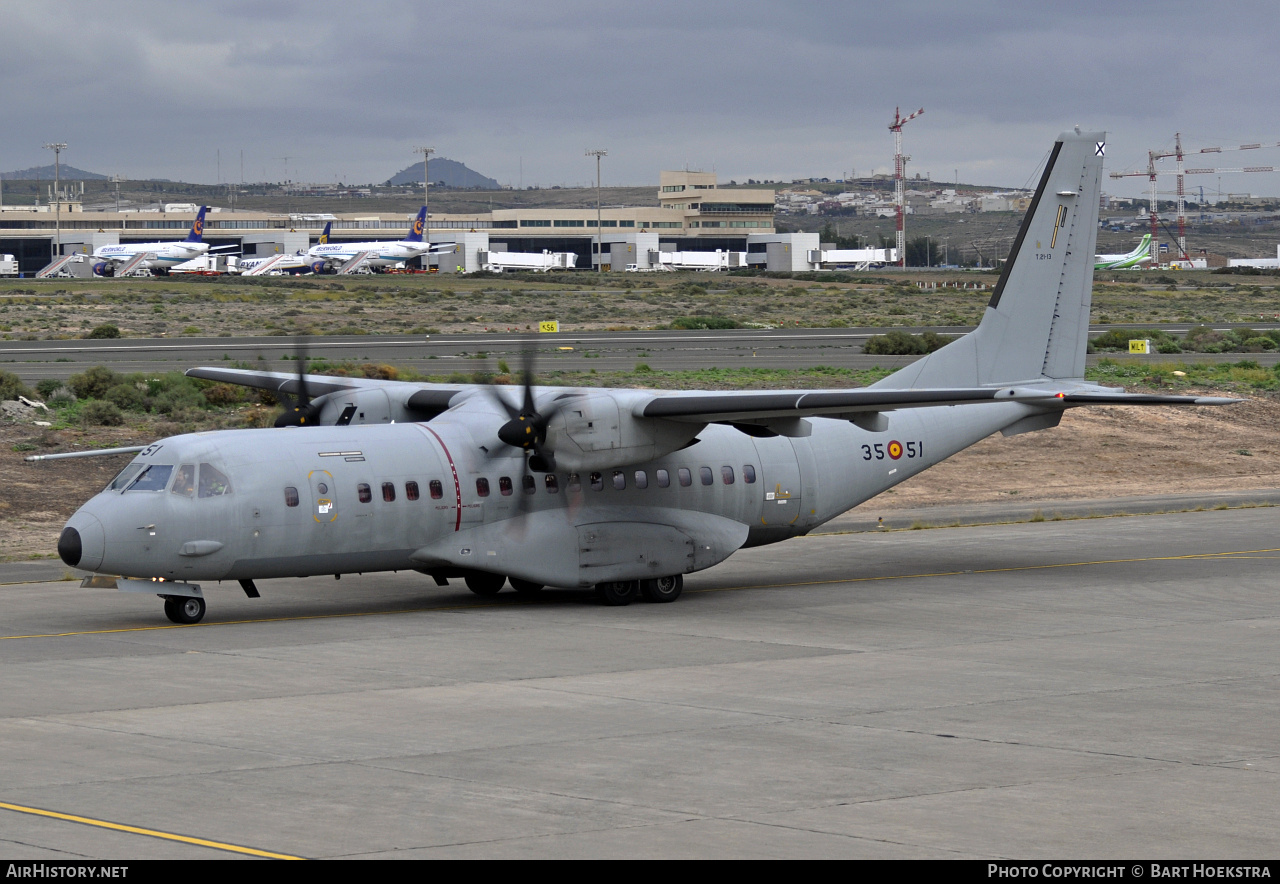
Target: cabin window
(553, 484)
(482, 486)
(364, 493)
(597, 481)
(213, 482)
(642, 479)
(410, 490)
(152, 478)
(504, 486)
(705, 475)
(664, 479)
(726, 475)
(573, 483)
(748, 474)
(529, 484)
(185, 483)
(388, 492)
(686, 477)
(290, 496)
(436, 489)
(619, 480)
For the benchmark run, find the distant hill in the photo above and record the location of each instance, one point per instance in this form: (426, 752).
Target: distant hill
(450, 173)
(68, 173)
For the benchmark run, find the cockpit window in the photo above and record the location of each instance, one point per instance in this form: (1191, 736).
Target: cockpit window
(185, 483)
(153, 478)
(122, 478)
(213, 482)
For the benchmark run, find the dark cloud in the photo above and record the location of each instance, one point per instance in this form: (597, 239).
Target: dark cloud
(774, 89)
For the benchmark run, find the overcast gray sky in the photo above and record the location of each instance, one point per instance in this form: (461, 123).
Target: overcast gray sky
(518, 91)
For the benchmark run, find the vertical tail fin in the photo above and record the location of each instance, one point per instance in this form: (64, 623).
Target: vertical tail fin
(1037, 322)
(419, 224)
(1144, 247)
(197, 227)
(324, 234)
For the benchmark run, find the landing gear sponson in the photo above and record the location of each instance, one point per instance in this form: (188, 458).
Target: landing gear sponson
(613, 593)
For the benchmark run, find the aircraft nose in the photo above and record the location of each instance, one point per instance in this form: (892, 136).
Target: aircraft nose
(82, 542)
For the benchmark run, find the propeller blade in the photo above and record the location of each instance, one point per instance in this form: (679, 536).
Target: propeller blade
(299, 411)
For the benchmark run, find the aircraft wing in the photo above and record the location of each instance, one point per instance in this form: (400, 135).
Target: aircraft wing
(275, 381)
(754, 406)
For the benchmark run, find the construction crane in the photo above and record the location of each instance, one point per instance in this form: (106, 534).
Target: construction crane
(899, 173)
(1181, 172)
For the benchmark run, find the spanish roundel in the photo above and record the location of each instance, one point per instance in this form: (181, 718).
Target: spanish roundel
(895, 449)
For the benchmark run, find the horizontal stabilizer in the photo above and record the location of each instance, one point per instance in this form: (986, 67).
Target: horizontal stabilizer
(1118, 398)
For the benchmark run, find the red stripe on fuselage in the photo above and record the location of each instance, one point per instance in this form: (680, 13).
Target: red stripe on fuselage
(457, 485)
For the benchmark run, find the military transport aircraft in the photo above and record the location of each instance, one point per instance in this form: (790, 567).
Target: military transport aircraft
(622, 490)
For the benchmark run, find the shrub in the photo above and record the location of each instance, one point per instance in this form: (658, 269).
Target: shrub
(104, 331)
(900, 343)
(93, 383)
(101, 414)
(48, 386)
(698, 323)
(127, 397)
(11, 386)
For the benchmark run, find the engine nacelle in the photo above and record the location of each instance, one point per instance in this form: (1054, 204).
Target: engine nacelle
(318, 267)
(102, 268)
(596, 431)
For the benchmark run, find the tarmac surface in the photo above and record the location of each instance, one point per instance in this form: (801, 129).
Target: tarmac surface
(1097, 688)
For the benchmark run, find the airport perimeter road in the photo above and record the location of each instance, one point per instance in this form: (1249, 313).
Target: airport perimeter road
(1097, 688)
(441, 354)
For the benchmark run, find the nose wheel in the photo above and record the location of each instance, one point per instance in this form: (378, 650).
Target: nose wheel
(185, 610)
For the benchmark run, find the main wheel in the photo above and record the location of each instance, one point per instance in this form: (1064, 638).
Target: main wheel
(525, 586)
(184, 609)
(664, 589)
(618, 592)
(483, 583)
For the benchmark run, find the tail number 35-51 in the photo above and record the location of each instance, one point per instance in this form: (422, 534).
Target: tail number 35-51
(893, 450)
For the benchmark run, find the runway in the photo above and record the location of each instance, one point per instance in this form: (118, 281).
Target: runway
(1100, 688)
(448, 354)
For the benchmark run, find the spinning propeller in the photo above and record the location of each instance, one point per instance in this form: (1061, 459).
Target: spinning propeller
(298, 411)
(526, 427)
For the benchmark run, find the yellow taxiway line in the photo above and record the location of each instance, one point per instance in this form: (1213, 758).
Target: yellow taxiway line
(138, 830)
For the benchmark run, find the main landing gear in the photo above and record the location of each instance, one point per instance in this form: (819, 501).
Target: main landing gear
(623, 592)
(185, 610)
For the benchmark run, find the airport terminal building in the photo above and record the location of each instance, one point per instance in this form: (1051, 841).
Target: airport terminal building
(692, 214)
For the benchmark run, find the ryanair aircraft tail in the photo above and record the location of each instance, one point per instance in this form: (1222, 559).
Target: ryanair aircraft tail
(197, 227)
(1036, 325)
(419, 224)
